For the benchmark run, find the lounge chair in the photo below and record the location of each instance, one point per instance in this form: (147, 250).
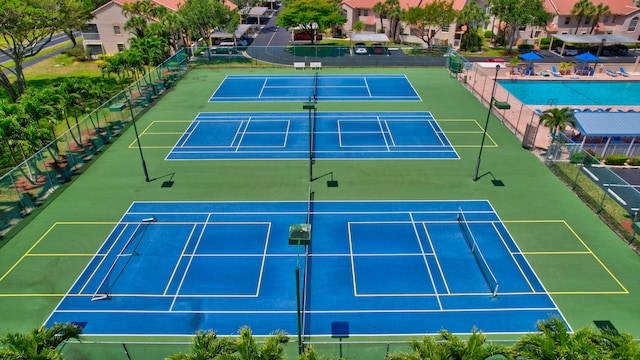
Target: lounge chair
(611, 73)
(555, 72)
(622, 72)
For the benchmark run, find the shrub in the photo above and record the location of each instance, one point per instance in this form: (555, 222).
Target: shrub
(616, 159)
(576, 158)
(544, 42)
(488, 34)
(77, 52)
(501, 40)
(634, 161)
(525, 47)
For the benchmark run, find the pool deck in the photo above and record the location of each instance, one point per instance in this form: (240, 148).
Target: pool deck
(479, 81)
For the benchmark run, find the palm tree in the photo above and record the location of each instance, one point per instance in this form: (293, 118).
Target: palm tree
(380, 8)
(448, 346)
(248, 349)
(555, 342)
(582, 9)
(207, 345)
(600, 11)
(394, 13)
(470, 15)
(557, 120)
(40, 343)
(617, 345)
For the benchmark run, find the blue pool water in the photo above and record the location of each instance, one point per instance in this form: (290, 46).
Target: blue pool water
(574, 92)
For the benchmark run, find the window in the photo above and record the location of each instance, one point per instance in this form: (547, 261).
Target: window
(587, 21)
(359, 12)
(445, 28)
(120, 47)
(537, 33)
(522, 28)
(366, 12)
(567, 20)
(614, 19)
(633, 24)
(605, 19)
(116, 29)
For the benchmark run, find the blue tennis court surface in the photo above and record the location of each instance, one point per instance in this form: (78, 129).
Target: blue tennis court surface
(329, 88)
(383, 268)
(337, 135)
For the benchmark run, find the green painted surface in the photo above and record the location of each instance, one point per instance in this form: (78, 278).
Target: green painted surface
(590, 271)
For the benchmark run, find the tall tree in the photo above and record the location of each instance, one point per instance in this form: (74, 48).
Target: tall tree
(202, 16)
(74, 14)
(427, 21)
(26, 26)
(519, 13)
(380, 8)
(471, 16)
(599, 11)
(557, 120)
(311, 16)
(394, 13)
(582, 9)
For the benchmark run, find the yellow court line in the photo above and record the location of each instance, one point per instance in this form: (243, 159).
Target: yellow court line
(588, 292)
(58, 255)
(583, 244)
(86, 223)
(175, 268)
(435, 256)
(27, 252)
(515, 261)
(596, 257)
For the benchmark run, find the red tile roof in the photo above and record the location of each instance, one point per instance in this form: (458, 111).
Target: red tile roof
(617, 7)
(405, 4)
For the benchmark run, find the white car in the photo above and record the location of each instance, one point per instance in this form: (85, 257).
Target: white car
(568, 51)
(360, 49)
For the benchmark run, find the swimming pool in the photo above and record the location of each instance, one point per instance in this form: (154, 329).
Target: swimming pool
(574, 92)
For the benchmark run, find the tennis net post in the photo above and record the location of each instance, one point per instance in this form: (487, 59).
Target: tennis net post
(487, 273)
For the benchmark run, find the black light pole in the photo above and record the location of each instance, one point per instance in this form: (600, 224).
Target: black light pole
(135, 128)
(311, 106)
(484, 133)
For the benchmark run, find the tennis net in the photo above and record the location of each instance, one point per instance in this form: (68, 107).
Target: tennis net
(477, 253)
(121, 261)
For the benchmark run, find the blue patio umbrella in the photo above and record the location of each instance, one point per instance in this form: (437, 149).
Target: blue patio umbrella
(531, 56)
(587, 56)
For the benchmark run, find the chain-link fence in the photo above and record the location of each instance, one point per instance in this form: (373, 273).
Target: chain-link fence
(615, 200)
(29, 183)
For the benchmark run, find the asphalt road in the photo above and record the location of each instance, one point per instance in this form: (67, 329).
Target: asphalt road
(57, 39)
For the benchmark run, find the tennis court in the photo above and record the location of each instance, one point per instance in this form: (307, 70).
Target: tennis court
(335, 135)
(384, 268)
(315, 87)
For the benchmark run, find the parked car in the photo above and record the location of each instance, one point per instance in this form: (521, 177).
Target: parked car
(496, 60)
(360, 49)
(378, 49)
(305, 36)
(621, 50)
(224, 47)
(568, 51)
